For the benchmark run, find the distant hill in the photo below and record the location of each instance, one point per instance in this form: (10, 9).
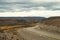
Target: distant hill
(4, 21)
(12, 18)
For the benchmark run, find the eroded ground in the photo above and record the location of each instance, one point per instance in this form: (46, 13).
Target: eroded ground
(27, 34)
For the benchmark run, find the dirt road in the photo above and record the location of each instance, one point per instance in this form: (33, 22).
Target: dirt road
(33, 34)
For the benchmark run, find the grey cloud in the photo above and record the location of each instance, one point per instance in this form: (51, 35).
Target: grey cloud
(15, 0)
(27, 6)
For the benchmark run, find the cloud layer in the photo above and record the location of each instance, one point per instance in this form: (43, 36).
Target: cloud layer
(28, 5)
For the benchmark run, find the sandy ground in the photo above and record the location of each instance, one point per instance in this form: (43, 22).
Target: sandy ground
(29, 33)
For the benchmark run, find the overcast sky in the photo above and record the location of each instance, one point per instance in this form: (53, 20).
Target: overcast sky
(24, 7)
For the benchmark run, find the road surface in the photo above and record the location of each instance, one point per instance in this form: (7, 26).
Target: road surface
(33, 34)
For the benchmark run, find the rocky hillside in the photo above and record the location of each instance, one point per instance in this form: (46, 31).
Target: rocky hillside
(55, 21)
(51, 24)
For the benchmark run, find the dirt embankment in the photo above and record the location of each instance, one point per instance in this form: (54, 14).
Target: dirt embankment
(51, 24)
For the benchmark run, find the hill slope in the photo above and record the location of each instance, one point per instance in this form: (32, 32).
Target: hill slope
(55, 21)
(11, 22)
(51, 24)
